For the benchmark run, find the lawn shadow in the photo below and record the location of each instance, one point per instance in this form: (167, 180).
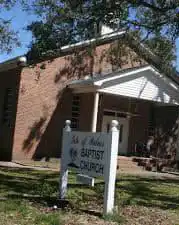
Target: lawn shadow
(42, 188)
(21, 181)
(149, 192)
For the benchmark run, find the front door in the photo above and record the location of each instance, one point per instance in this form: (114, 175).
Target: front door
(123, 134)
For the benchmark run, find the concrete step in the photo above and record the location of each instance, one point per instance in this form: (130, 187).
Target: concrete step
(127, 164)
(125, 158)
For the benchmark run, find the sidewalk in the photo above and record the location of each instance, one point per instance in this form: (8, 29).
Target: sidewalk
(18, 165)
(126, 166)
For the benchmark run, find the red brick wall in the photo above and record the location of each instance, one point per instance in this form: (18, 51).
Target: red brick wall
(43, 106)
(44, 103)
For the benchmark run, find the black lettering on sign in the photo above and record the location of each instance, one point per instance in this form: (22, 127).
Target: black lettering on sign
(82, 152)
(85, 165)
(92, 154)
(75, 139)
(84, 141)
(100, 169)
(96, 142)
(98, 155)
(92, 167)
(102, 154)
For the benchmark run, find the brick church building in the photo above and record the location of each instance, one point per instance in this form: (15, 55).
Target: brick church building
(92, 82)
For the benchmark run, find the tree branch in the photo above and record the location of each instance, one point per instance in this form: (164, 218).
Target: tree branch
(152, 6)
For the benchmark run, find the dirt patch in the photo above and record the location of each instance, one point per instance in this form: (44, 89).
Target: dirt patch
(139, 215)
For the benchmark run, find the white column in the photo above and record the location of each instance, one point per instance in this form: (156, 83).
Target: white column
(95, 112)
(110, 173)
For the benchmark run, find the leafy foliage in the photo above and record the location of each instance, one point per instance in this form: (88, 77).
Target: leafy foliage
(8, 38)
(64, 22)
(162, 47)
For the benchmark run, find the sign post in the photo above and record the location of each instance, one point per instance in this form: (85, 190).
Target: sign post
(91, 154)
(85, 179)
(110, 175)
(64, 166)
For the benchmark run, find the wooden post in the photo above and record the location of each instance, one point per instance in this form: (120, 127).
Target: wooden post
(110, 173)
(63, 166)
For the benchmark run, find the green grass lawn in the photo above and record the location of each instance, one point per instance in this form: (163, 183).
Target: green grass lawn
(27, 197)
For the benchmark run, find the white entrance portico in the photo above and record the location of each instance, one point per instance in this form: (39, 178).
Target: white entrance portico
(128, 95)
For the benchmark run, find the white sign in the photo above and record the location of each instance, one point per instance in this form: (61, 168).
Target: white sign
(93, 154)
(84, 179)
(86, 152)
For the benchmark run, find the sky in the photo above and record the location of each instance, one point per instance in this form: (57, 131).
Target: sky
(20, 20)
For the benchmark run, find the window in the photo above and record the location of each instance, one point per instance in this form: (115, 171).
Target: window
(75, 112)
(114, 113)
(8, 102)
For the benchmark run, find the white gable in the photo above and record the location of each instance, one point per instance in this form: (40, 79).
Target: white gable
(144, 83)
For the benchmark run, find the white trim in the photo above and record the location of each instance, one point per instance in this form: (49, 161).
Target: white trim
(88, 42)
(165, 78)
(97, 81)
(105, 84)
(118, 111)
(148, 100)
(100, 81)
(113, 111)
(95, 112)
(110, 92)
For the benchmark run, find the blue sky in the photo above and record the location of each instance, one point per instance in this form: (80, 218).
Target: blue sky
(20, 20)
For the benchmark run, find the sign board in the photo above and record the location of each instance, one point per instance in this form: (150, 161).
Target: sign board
(84, 179)
(86, 152)
(91, 154)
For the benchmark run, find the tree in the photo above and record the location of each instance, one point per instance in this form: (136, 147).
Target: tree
(68, 21)
(8, 38)
(163, 47)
